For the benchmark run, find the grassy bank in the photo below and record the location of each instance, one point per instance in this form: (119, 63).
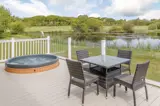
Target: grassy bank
(48, 28)
(137, 29)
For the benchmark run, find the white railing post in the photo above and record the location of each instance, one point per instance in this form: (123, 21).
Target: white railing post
(69, 48)
(12, 40)
(103, 47)
(48, 44)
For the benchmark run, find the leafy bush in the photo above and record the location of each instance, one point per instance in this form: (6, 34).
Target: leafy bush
(116, 29)
(5, 19)
(80, 27)
(152, 26)
(17, 27)
(94, 24)
(128, 27)
(158, 25)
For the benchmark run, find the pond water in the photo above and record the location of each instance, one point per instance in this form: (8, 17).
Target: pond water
(145, 43)
(130, 41)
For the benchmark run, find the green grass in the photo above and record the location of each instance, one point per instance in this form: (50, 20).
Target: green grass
(138, 56)
(106, 28)
(48, 28)
(140, 29)
(137, 29)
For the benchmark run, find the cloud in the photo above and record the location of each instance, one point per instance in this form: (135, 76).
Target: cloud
(129, 7)
(94, 15)
(75, 7)
(61, 2)
(152, 14)
(26, 9)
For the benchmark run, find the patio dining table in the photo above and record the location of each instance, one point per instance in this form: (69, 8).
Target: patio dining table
(107, 68)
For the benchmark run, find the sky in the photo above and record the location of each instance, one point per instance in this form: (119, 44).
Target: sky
(117, 9)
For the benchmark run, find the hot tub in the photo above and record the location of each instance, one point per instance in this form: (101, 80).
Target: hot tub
(31, 63)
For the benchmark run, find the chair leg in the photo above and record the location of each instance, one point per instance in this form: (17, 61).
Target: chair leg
(106, 91)
(69, 87)
(83, 96)
(125, 89)
(130, 71)
(114, 90)
(97, 87)
(146, 92)
(134, 98)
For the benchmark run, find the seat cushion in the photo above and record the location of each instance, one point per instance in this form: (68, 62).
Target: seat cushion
(90, 78)
(124, 79)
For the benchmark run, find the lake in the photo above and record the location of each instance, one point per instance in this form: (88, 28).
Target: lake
(142, 41)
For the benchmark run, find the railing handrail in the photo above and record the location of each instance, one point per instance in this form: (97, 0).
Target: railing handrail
(18, 47)
(21, 40)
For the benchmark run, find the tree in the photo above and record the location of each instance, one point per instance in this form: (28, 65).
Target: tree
(116, 29)
(80, 27)
(85, 24)
(5, 19)
(154, 26)
(16, 27)
(128, 27)
(94, 24)
(82, 18)
(109, 21)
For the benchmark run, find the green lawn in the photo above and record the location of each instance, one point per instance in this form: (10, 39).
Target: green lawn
(48, 28)
(137, 29)
(140, 29)
(138, 56)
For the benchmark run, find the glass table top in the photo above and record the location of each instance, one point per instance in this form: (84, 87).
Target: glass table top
(105, 60)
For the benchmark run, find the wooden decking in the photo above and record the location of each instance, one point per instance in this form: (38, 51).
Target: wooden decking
(50, 89)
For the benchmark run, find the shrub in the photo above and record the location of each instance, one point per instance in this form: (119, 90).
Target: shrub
(80, 27)
(17, 27)
(116, 29)
(128, 27)
(152, 26)
(158, 25)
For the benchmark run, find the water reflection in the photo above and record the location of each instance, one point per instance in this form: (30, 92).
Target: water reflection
(149, 43)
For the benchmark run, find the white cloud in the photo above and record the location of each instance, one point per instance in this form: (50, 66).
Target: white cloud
(61, 2)
(26, 9)
(129, 7)
(152, 14)
(94, 15)
(75, 7)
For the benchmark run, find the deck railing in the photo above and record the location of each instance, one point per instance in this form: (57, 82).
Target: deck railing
(61, 47)
(20, 47)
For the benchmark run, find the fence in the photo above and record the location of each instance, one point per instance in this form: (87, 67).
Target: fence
(61, 47)
(20, 47)
(67, 47)
(58, 46)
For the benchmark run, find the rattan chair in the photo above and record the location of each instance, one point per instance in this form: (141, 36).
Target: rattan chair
(128, 55)
(81, 54)
(79, 77)
(133, 82)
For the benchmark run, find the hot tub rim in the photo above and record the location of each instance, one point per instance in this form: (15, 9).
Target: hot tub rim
(8, 64)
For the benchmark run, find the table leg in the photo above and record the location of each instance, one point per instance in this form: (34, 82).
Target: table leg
(106, 82)
(120, 73)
